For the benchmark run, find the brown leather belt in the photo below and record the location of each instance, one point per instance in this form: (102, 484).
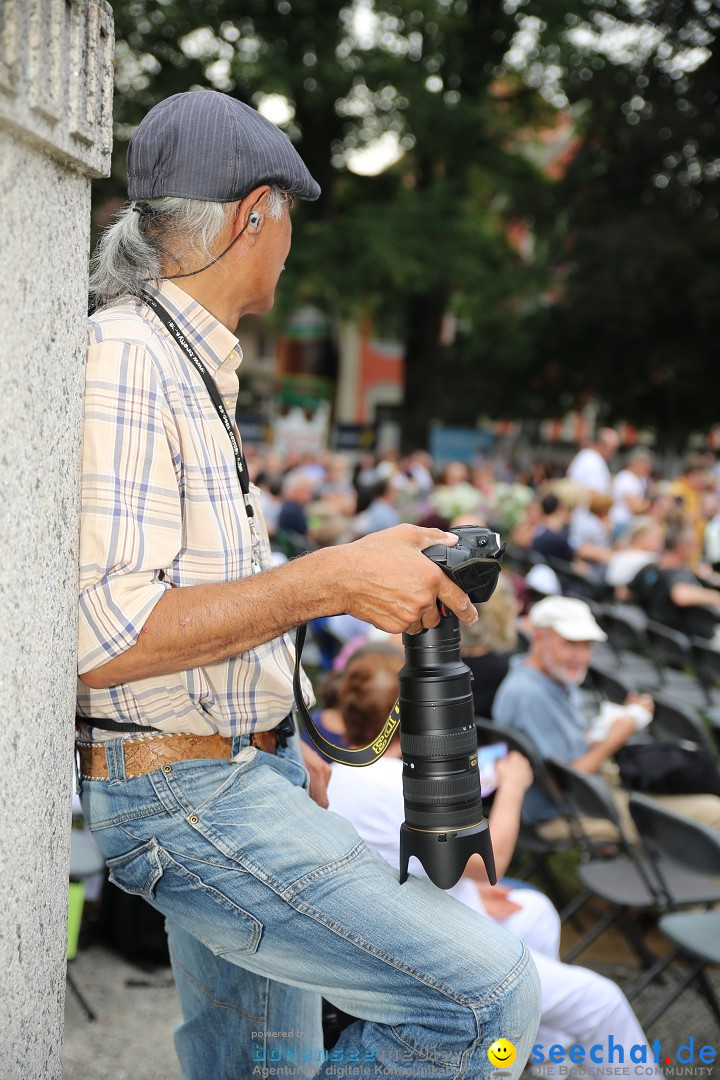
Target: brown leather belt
(144, 755)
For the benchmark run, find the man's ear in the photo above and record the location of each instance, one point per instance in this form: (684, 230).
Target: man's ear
(249, 217)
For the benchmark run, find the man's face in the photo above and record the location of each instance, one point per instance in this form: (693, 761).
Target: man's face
(564, 661)
(609, 443)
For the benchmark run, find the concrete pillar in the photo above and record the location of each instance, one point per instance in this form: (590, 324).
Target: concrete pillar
(55, 135)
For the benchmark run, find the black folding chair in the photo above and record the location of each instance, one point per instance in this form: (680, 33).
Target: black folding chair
(714, 722)
(520, 559)
(621, 881)
(670, 648)
(625, 628)
(679, 842)
(680, 722)
(672, 654)
(707, 665)
(532, 848)
(629, 882)
(609, 685)
(576, 584)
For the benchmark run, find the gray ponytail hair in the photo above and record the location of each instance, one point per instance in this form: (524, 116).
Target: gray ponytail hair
(135, 246)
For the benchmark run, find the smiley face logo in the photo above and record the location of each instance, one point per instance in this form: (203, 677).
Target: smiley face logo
(501, 1053)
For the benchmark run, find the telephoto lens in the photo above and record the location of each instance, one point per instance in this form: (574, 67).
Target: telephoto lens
(444, 821)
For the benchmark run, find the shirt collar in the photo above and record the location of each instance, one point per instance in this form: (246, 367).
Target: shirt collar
(215, 344)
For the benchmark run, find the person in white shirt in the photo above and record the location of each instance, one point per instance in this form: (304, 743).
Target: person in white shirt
(590, 467)
(630, 488)
(578, 1005)
(644, 544)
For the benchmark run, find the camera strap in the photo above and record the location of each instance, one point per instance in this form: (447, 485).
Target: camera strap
(363, 755)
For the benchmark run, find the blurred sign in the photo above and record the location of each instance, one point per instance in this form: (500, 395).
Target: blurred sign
(459, 444)
(307, 324)
(302, 431)
(253, 428)
(354, 437)
(306, 391)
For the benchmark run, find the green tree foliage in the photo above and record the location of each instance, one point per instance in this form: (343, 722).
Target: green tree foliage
(615, 295)
(638, 321)
(427, 237)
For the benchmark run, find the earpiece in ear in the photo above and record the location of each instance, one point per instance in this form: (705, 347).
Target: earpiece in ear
(253, 219)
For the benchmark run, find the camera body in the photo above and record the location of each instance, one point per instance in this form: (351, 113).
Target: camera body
(474, 563)
(444, 822)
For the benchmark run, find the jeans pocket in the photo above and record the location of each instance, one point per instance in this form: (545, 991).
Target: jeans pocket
(137, 871)
(180, 894)
(208, 913)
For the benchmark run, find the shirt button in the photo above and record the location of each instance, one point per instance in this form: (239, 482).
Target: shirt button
(194, 819)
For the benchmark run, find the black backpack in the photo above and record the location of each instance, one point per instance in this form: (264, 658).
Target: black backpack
(668, 767)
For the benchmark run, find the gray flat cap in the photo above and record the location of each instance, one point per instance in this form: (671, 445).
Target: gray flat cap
(206, 145)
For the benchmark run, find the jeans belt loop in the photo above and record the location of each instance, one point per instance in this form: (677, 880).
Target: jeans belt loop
(115, 756)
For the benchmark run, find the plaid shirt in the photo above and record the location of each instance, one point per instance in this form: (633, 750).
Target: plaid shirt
(162, 507)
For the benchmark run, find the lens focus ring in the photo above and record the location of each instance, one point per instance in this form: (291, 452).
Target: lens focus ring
(445, 745)
(456, 789)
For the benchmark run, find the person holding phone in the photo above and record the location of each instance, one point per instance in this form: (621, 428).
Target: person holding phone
(578, 1005)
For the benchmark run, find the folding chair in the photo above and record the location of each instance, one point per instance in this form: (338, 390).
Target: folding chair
(625, 628)
(629, 882)
(621, 881)
(714, 722)
(521, 559)
(529, 843)
(679, 721)
(673, 657)
(679, 842)
(576, 584)
(608, 685)
(707, 665)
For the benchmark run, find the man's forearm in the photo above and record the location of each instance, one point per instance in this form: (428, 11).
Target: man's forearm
(204, 624)
(683, 594)
(383, 579)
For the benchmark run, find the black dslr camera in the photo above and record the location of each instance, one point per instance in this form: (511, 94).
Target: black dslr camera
(444, 821)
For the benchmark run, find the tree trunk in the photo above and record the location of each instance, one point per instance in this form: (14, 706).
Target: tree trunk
(423, 360)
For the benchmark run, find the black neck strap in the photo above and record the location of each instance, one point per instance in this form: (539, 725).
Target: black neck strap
(166, 318)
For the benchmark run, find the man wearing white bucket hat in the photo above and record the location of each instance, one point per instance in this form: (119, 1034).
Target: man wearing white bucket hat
(540, 697)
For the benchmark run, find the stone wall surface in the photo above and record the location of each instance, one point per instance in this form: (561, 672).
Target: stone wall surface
(55, 135)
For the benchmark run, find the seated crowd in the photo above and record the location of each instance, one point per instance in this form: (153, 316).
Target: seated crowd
(644, 544)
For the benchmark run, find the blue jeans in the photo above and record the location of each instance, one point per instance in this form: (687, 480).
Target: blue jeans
(271, 901)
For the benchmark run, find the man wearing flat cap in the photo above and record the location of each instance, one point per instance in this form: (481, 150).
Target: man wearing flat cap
(190, 777)
(540, 698)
